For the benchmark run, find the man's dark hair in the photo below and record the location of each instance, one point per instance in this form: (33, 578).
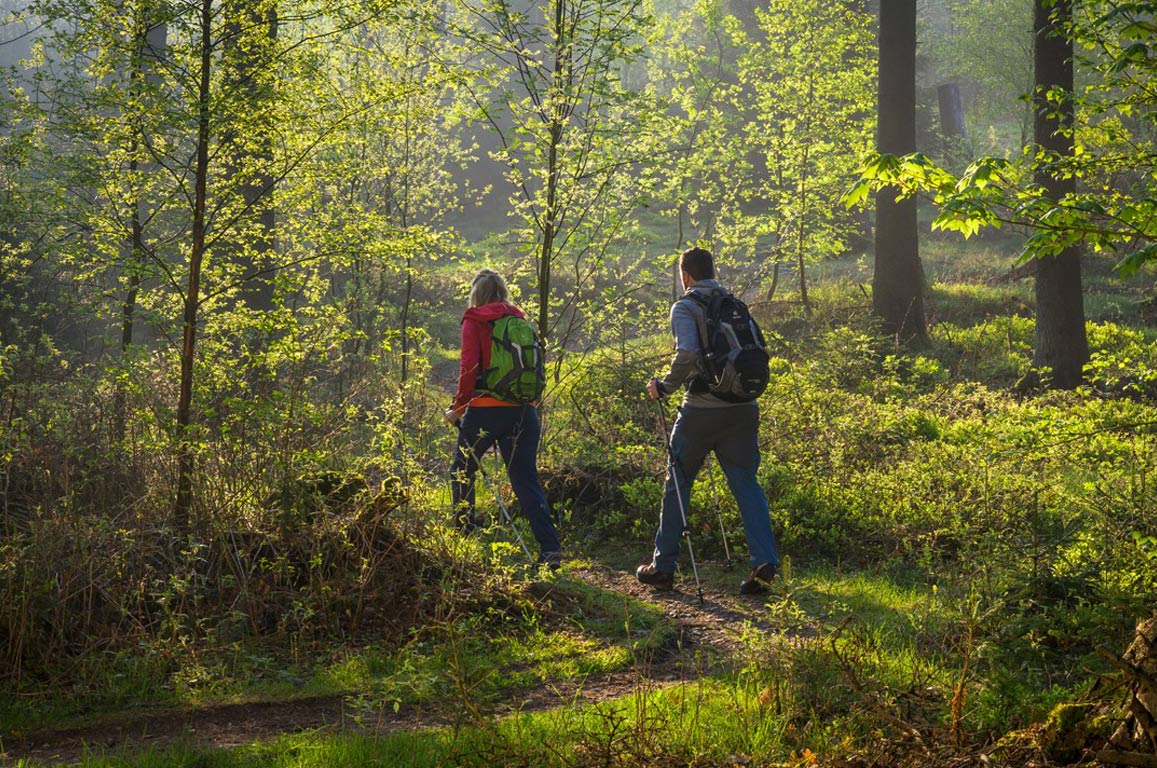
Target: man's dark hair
(698, 262)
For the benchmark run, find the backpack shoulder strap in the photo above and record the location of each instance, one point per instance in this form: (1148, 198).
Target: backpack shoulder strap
(705, 307)
(699, 304)
(716, 305)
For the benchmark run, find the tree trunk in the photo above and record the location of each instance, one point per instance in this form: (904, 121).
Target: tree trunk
(898, 283)
(250, 31)
(550, 222)
(407, 300)
(1135, 740)
(1060, 344)
(951, 110)
(803, 211)
(185, 444)
(149, 49)
(129, 305)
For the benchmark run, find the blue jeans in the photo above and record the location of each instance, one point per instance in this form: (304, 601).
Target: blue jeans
(733, 434)
(517, 430)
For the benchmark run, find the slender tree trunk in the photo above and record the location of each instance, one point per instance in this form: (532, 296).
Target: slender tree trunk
(404, 220)
(546, 255)
(129, 305)
(898, 283)
(800, 257)
(406, 301)
(774, 275)
(803, 176)
(1060, 342)
(185, 441)
(557, 119)
(148, 49)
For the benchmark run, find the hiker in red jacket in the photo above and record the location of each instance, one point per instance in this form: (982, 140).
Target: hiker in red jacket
(484, 419)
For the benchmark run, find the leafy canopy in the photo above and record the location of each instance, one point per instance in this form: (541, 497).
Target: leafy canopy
(1114, 207)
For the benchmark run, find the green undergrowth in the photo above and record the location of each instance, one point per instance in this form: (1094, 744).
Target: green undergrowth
(859, 640)
(563, 631)
(497, 631)
(1029, 516)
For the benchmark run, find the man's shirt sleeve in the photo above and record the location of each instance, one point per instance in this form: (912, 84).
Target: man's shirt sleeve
(685, 363)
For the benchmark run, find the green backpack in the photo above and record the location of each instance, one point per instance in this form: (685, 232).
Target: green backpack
(517, 372)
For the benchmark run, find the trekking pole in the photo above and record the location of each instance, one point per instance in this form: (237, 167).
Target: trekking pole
(673, 467)
(498, 499)
(719, 514)
(505, 512)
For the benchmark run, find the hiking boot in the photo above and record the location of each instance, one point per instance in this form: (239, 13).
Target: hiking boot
(552, 560)
(652, 576)
(759, 582)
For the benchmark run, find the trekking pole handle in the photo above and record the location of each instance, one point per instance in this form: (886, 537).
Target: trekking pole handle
(656, 389)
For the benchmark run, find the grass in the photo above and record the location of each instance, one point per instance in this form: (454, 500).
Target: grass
(529, 638)
(684, 721)
(703, 720)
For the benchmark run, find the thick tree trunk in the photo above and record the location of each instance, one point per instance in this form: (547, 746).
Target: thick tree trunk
(951, 110)
(1060, 344)
(898, 283)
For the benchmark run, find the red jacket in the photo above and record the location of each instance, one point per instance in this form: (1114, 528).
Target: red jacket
(476, 352)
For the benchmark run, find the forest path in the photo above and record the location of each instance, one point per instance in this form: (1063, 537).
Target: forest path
(708, 638)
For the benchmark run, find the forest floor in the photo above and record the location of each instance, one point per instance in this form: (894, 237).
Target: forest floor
(707, 639)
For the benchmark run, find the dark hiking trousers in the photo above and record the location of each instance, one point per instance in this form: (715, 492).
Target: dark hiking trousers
(732, 433)
(516, 430)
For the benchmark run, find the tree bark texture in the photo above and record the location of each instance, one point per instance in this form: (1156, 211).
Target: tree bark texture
(1060, 342)
(898, 283)
(951, 110)
(149, 49)
(1138, 732)
(557, 125)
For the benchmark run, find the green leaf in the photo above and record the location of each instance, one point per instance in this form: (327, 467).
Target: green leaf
(1133, 263)
(1132, 54)
(858, 194)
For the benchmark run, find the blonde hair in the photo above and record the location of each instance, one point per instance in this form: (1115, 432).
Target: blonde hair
(486, 287)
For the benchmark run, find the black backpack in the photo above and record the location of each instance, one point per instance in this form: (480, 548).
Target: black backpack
(733, 354)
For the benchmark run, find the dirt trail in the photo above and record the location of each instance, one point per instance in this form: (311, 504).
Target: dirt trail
(716, 626)
(708, 637)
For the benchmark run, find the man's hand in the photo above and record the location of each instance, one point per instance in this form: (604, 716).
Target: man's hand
(453, 416)
(655, 390)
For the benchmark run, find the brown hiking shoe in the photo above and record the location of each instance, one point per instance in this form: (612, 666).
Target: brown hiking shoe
(652, 576)
(759, 581)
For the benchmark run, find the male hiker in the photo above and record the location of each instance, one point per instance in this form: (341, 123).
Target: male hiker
(709, 420)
